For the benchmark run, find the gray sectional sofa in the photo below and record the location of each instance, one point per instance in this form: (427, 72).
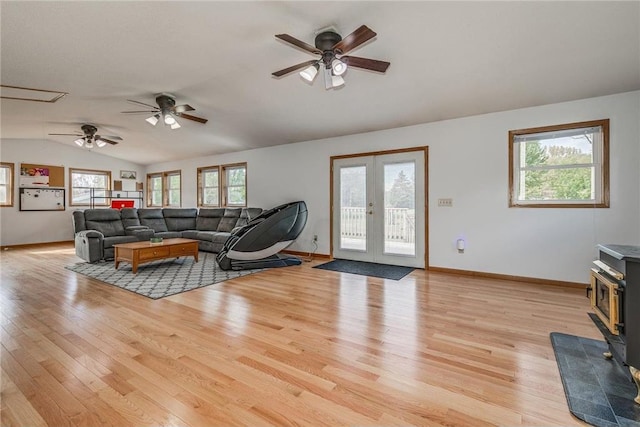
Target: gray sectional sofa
(97, 230)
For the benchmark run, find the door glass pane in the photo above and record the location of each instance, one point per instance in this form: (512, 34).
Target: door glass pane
(353, 212)
(399, 208)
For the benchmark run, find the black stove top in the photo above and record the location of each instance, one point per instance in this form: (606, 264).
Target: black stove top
(629, 252)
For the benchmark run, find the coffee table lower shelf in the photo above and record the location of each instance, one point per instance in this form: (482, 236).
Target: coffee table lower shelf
(140, 252)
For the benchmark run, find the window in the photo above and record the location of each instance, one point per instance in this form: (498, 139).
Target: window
(560, 166)
(224, 185)
(235, 184)
(6, 184)
(154, 195)
(165, 189)
(209, 186)
(172, 180)
(85, 184)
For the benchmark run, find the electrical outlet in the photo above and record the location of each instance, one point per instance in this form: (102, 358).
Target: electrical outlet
(447, 203)
(315, 237)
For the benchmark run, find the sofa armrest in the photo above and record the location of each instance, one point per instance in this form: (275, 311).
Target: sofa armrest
(90, 234)
(89, 245)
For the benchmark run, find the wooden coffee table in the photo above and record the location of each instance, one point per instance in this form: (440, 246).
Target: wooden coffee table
(140, 252)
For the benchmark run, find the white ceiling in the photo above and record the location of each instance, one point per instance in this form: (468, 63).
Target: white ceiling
(448, 60)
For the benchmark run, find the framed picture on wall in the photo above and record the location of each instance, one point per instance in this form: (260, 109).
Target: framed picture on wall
(127, 174)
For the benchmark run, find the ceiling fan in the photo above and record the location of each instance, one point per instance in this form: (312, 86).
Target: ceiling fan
(88, 138)
(331, 47)
(167, 110)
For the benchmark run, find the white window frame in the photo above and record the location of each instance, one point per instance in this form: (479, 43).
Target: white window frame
(8, 201)
(99, 194)
(600, 164)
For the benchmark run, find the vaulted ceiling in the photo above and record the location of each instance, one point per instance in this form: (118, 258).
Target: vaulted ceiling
(448, 60)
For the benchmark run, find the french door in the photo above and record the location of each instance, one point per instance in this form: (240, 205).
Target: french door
(379, 208)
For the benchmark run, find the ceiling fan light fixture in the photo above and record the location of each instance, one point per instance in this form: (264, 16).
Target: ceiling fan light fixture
(338, 67)
(175, 124)
(89, 144)
(310, 73)
(153, 120)
(79, 142)
(328, 84)
(100, 143)
(168, 119)
(337, 81)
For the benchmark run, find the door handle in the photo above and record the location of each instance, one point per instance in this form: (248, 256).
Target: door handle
(370, 212)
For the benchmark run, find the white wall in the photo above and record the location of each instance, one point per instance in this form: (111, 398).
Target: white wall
(468, 162)
(25, 227)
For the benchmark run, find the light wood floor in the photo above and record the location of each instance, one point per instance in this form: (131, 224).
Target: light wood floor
(293, 346)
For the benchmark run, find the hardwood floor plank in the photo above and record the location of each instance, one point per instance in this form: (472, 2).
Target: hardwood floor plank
(98, 413)
(293, 346)
(38, 397)
(15, 409)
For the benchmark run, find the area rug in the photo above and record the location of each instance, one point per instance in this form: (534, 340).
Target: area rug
(159, 279)
(597, 389)
(362, 268)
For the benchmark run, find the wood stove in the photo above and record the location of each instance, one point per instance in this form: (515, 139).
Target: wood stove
(615, 299)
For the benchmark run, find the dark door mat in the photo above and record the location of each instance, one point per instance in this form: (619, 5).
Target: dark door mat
(383, 271)
(598, 391)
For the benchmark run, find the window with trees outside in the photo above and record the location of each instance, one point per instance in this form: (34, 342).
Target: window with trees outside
(87, 183)
(234, 184)
(164, 189)
(560, 166)
(209, 186)
(6, 184)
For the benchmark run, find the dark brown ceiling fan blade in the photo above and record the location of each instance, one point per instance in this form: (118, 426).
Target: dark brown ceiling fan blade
(67, 134)
(117, 138)
(183, 108)
(366, 63)
(294, 68)
(294, 41)
(108, 141)
(143, 104)
(190, 117)
(137, 112)
(355, 39)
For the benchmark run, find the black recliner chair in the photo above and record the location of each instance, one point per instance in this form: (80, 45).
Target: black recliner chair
(256, 245)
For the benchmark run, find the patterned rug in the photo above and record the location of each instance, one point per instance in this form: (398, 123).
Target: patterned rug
(159, 279)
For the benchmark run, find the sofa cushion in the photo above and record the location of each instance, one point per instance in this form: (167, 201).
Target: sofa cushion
(209, 218)
(180, 219)
(114, 240)
(129, 217)
(152, 218)
(106, 221)
(220, 237)
(191, 234)
(229, 219)
(247, 215)
(168, 234)
(78, 221)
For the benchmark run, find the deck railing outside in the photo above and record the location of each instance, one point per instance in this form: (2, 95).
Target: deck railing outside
(399, 224)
